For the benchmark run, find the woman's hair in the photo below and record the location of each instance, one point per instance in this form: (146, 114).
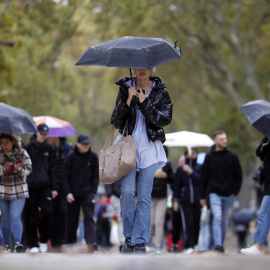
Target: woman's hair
(153, 69)
(10, 137)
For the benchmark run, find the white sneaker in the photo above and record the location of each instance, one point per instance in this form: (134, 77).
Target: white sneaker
(43, 247)
(158, 250)
(188, 251)
(34, 250)
(253, 250)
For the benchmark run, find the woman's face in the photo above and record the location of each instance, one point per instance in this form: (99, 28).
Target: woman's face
(6, 144)
(143, 73)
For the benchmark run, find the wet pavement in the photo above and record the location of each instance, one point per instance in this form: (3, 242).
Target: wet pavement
(116, 261)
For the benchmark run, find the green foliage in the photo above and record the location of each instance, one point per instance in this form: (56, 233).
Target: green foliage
(225, 47)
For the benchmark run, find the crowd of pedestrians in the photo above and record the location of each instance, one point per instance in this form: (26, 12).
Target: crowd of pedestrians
(48, 182)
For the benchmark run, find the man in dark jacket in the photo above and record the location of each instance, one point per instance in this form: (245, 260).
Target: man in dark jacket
(43, 186)
(80, 184)
(221, 180)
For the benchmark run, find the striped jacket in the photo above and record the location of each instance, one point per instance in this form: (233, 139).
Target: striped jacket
(13, 183)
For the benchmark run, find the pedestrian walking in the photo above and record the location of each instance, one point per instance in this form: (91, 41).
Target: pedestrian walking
(113, 191)
(80, 184)
(43, 186)
(15, 165)
(104, 222)
(221, 180)
(162, 178)
(146, 104)
(263, 221)
(58, 233)
(186, 199)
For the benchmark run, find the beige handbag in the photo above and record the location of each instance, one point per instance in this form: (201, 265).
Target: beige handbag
(118, 159)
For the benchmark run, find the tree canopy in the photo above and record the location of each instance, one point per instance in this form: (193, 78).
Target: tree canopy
(225, 46)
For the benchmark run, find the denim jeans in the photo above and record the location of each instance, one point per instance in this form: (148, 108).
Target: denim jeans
(137, 218)
(11, 219)
(220, 207)
(263, 225)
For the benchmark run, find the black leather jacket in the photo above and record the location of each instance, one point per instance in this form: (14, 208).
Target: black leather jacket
(157, 110)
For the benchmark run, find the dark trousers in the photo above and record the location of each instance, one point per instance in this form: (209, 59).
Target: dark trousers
(38, 216)
(177, 230)
(191, 223)
(72, 219)
(58, 234)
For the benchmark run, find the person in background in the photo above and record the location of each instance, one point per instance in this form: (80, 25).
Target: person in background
(163, 176)
(15, 165)
(221, 180)
(145, 104)
(263, 221)
(43, 186)
(113, 191)
(186, 199)
(104, 222)
(81, 180)
(58, 234)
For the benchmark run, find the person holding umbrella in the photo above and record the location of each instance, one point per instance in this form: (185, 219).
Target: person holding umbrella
(263, 226)
(15, 165)
(145, 104)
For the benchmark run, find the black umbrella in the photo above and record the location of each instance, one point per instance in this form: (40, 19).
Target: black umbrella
(131, 52)
(15, 120)
(258, 114)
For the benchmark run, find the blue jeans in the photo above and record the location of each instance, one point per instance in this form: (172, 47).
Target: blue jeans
(11, 219)
(137, 218)
(220, 207)
(263, 225)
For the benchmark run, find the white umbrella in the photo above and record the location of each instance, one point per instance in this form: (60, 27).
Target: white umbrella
(188, 139)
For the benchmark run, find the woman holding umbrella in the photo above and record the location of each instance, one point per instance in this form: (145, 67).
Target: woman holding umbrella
(15, 165)
(144, 103)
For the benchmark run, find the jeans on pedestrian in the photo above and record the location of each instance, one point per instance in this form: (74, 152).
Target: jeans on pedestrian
(204, 234)
(263, 225)
(220, 207)
(11, 219)
(137, 218)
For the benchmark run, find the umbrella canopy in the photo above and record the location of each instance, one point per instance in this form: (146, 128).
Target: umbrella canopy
(57, 127)
(188, 139)
(258, 114)
(14, 120)
(131, 52)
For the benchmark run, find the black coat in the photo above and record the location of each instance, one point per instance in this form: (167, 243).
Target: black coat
(264, 155)
(221, 173)
(186, 188)
(44, 164)
(81, 173)
(113, 189)
(160, 184)
(157, 110)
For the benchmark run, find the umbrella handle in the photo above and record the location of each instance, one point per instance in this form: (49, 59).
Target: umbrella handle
(131, 77)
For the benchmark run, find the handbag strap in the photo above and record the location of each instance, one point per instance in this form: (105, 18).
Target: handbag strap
(111, 134)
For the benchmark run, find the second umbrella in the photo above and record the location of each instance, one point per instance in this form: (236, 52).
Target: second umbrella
(57, 127)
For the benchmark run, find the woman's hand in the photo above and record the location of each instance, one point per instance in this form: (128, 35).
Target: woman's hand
(141, 96)
(8, 165)
(175, 206)
(131, 92)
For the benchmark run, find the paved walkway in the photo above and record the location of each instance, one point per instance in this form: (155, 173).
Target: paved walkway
(116, 261)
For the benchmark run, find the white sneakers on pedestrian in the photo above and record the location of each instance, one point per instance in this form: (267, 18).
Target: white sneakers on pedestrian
(34, 250)
(253, 250)
(188, 251)
(43, 247)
